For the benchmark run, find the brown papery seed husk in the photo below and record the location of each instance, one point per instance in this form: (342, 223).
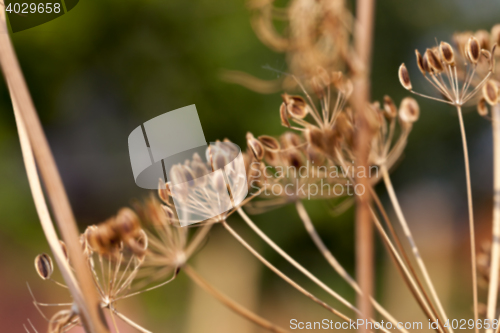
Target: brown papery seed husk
(44, 266)
(495, 34)
(270, 143)
(315, 138)
(447, 53)
(284, 115)
(483, 38)
(473, 50)
(420, 62)
(490, 92)
(404, 77)
(256, 147)
(64, 250)
(433, 61)
(297, 107)
(409, 111)
(389, 107)
(482, 109)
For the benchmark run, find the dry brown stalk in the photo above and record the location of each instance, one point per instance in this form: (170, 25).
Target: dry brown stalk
(363, 34)
(84, 292)
(495, 250)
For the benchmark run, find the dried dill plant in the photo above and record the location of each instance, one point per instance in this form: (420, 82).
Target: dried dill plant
(144, 248)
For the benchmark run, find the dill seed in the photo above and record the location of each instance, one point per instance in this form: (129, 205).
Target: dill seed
(490, 92)
(404, 77)
(44, 266)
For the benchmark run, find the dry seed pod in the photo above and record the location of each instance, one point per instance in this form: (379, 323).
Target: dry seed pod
(296, 106)
(490, 92)
(473, 50)
(290, 140)
(390, 108)
(270, 143)
(64, 250)
(433, 61)
(102, 238)
(447, 53)
(404, 77)
(284, 115)
(169, 213)
(317, 87)
(482, 109)
(163, 191)
(420, 62)
(495, 34)
(255, 146)
(315, 138)
(126, 224)
(323, 77)
(409, 110)
(483, 37)
(44, 266)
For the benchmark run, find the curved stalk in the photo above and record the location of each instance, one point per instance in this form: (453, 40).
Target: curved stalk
(232, 305)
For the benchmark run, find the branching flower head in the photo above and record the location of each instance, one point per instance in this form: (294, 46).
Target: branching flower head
(441, 66)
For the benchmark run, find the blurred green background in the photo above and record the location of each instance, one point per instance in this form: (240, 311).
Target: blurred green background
(100, 70)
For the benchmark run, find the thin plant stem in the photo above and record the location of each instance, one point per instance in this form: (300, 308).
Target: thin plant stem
(130, 322)
(88, 299)
(471, 218)
(363, 37)
(282, 275)
(232, 305)
(413, 245)
(330, 258)
(406, 261)
(298, 266)
(294, 263)
(41, 207)
(417, 293)
(495, 246)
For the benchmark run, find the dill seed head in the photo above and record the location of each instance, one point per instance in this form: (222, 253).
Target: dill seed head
(270, 143)
(409, 111)
(44, 266)
(255, 146)
(473, 50)
(482, 109)
(404, 77)
(490, 92)
(447, 53)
